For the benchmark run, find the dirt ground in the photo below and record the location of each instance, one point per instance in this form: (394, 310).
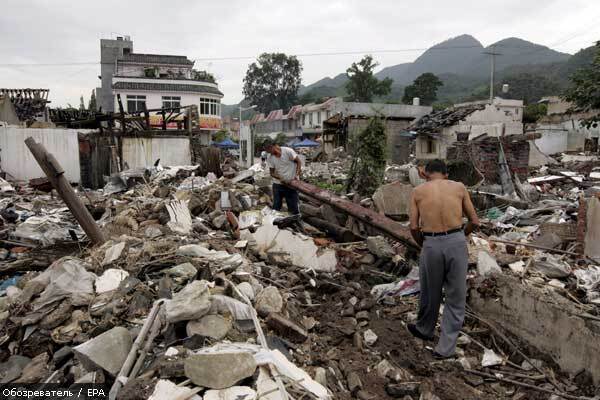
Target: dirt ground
(445, 379)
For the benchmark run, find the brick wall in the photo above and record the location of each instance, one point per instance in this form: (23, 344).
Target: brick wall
(484, 153)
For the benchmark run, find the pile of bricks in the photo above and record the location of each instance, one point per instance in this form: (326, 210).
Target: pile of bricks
(484, 153)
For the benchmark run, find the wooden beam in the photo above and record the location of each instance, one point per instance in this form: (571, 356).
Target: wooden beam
(380, 222)
(56, 176)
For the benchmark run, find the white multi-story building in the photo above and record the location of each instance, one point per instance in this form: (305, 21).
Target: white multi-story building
(155, 81)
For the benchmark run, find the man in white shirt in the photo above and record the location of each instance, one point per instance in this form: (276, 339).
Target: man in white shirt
(284, 166)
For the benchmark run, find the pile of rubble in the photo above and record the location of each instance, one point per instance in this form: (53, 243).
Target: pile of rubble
(202, 291)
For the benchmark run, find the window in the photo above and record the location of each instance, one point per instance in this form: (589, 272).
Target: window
(303, 119)
(171, 101)
(318, 117)
(327, 114)
(310, 119)
(210, 106)
(428, 146)
(135, 103)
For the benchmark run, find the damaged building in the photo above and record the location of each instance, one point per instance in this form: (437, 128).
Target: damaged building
(562, 128)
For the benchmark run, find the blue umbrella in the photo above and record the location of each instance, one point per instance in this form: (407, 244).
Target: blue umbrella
(227, 144)
(306, 143)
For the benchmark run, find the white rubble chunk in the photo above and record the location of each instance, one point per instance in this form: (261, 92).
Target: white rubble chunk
(192, 302)
(110, 280)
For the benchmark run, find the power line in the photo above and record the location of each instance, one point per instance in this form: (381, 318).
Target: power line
(333, 53)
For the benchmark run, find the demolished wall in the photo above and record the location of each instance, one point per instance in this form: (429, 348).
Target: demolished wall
(545, 321)
(483, 153)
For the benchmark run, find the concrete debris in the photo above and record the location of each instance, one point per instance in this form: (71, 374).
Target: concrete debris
(219, 370)
(166, 390)
(486, 265)
(491, 359)
(110, 280)
(182, 272)
(113, 253)
(370, 337)
(380, 247)
(106, 351)
(247, 307)
(393, 199)
(191, 303)
(268, 301)
(210, 326)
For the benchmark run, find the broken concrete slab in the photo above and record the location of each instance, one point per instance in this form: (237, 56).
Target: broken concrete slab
(106, 351)
(182, 272)
(247, 290)
(110, 280)
(211, 326)
(592, 234)
(380, 247)
(301, 250)
(268, 301)
(219, 370)
(11, 369)
(287, 328)
(36, 370)
(167, 390)
(181, 219)
(190, 303)
(544, 320)
(113, 253)
(393, 199)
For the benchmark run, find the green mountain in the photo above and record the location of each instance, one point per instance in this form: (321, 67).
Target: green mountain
(463, 65)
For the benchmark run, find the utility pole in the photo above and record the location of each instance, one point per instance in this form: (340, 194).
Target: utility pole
(493, 55)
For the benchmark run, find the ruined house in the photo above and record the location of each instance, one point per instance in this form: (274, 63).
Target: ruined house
(29, 105)
(561, 128)
(438, 131)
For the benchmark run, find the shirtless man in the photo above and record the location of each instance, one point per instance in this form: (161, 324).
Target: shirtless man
(436, 223)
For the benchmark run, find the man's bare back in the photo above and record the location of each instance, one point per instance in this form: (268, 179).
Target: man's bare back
(439, 205)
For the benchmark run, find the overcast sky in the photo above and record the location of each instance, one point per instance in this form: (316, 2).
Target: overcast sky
(57, 31)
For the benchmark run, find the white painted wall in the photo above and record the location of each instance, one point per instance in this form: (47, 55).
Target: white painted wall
(18, 162)
(154, 99)
(143, 152)
(553, 141)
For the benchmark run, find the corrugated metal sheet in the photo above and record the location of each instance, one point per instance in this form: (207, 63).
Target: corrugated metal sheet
(143, 152)
(18, 162)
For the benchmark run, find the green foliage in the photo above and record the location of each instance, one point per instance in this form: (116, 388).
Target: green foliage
(220, 135)
(273, 81)
(533, 112)
(362, 85)
(93, 105)
(368, 164)
(442, 105)
(585, 90)
(203, 76)
(425, 87)
(259, 141)
(526, 86)
(337, 188)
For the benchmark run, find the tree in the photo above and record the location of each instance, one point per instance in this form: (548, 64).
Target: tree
(362, 86)
(527, 87)
(584, 92)
(368, 163)
(533, 112)
(92, 105)
(424, 87)
(220, 135)
(81, 103)
(273, 81)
